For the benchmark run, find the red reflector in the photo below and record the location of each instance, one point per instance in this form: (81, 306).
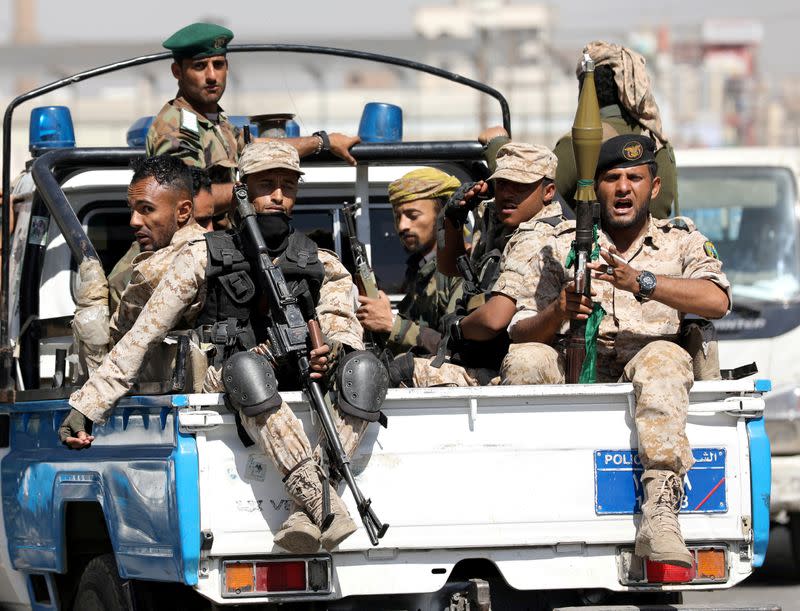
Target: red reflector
(280, 576)
(659, 572)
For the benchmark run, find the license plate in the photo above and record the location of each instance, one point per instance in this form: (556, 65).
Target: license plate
(618, 486)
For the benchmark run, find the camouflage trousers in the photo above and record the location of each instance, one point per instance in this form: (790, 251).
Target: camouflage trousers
(280, 434)
(661, 374)
(450, 374)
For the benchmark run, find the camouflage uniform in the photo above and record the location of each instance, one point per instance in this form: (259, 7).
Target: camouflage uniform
(200, 142)
(429, 296)
(120, 275)
(636, 341)
(173, 304)
(449, 374)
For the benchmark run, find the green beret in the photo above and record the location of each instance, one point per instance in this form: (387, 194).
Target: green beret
(199, 40)
(626, 151)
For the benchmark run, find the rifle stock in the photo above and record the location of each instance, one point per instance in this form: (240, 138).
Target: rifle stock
(290, 335)
(587, 135)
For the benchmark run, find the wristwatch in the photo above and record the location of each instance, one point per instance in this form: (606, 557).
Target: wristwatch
(647, 284)
(324, 141)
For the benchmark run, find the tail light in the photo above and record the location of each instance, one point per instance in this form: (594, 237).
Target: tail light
(710, 566)
(260, 577)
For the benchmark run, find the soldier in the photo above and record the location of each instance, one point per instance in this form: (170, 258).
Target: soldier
(652, 273)
(201, 289)
(524, 190)
(161, 204)
(144, 221)
(416, 199)
(194, 127)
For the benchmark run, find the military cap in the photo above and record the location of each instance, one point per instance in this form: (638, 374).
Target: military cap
(525, 163)
(422, 183)
(199, 40)
(626, 151)
(271, 155)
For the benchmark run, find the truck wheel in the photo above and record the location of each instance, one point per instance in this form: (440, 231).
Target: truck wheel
(100, 587)
(794, 531)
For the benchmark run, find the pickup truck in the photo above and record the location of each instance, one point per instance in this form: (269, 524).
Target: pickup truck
(513, 497)
(747, 201)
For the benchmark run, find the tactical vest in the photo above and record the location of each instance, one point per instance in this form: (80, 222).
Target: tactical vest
(235, 315)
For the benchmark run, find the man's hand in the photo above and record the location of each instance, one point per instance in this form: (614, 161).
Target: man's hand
(490, 133)
(615, 270)
(340, 146)
(572, 306)
(465, 198)
(73, 431)
(376, 314)
(319, 362)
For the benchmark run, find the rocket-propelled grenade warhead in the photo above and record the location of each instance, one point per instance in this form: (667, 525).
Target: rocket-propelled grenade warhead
(587, 134)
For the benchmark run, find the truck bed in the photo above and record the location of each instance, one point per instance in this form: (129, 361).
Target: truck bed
(537, 480)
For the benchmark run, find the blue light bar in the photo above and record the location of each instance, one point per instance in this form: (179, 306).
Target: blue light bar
(292, 129)
(50, 128)
(137, 134)
(381, 122)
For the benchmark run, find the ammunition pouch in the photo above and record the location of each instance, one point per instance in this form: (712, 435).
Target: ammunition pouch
(250, 384)
(361, 385)
(698, 337)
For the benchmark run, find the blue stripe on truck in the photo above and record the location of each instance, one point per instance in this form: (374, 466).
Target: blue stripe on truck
(187, 490)
(761, 477)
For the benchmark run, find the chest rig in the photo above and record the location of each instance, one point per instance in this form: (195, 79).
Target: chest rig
(235, 315)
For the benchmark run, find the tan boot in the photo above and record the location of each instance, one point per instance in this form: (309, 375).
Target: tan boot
(298, 534)
(305, 487)
(659, 538)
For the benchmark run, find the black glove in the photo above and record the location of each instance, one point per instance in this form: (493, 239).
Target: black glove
(74, 423)
(457, 212)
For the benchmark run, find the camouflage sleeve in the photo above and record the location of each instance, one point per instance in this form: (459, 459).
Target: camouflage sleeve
(701, 261)
(336, 308)
(115, 376)
(166, 138)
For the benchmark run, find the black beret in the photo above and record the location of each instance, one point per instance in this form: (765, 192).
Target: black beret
(199, 40)
(626, 151)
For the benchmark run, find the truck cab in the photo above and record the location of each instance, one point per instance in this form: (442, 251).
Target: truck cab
(746, 200)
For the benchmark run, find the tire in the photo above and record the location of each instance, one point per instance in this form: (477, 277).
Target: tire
(794, 532)
(100, 587)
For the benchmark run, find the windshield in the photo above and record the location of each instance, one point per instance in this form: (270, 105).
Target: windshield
(749, 215)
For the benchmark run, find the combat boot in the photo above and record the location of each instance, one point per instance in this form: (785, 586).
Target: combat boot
(304, 485)
(298, 534)
(659, 538)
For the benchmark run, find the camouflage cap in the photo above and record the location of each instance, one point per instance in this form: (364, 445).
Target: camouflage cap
(199, 40)
(422, 183)
(525, 163)
(271, 155)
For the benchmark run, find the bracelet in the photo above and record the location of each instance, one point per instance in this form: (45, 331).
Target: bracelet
(324, 141)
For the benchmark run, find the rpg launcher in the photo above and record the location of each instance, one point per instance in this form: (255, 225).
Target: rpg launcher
(290, 337)
(587, 136)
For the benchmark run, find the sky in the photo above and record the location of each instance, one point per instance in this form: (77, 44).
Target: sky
(269, 20)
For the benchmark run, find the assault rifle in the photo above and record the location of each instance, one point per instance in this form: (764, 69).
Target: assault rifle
(364, 276)
(289, 337)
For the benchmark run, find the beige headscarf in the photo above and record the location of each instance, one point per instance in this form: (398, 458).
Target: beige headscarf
(633, 84)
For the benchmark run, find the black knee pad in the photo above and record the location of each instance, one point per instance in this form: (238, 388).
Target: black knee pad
(250, 384)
